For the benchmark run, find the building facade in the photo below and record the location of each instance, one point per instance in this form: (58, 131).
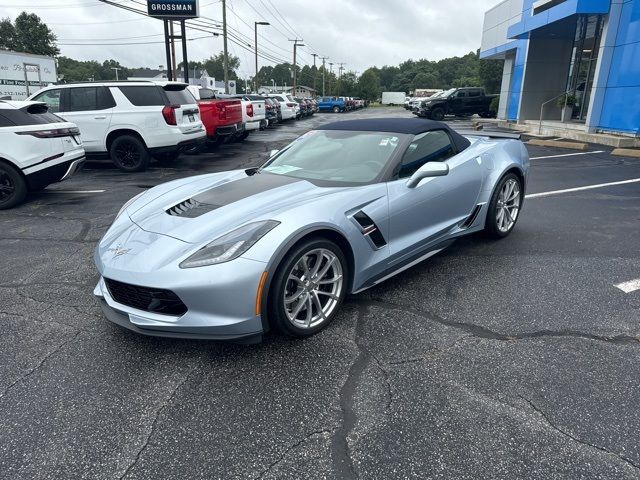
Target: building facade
(302, 91)
(559, 52)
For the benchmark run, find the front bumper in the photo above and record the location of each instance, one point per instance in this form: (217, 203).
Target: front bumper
(220, 300)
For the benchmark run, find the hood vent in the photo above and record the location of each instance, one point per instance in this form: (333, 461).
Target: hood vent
(369, 229)
(190, 208)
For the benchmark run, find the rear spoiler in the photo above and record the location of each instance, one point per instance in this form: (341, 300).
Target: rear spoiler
(482, 133)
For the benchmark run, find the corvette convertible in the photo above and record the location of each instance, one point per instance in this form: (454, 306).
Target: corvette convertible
(231, 255)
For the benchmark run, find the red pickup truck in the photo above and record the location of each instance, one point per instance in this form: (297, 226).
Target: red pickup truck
(222, 117)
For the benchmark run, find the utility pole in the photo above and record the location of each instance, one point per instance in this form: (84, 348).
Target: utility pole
(226, 53)
(314, 55)
(117, 70)
(340, 69)
(255, 79)
(331, 72)
(174, 65)
(295, 73)
(323, 71)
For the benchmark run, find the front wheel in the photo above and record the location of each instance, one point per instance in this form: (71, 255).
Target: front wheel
(129, 154)
(504, 207)
(308, 288)
(13, 188)
(437, 114)
(336, 109)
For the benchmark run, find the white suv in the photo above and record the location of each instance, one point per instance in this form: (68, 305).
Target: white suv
(129, 121)
(37, 148)
(289, 107)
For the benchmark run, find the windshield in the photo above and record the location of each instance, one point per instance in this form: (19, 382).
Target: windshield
(448, 92)
(336, 155)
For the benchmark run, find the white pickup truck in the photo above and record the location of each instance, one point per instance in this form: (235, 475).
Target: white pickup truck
(257, 121)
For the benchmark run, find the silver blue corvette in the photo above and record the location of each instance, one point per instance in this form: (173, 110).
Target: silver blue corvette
(232, 255)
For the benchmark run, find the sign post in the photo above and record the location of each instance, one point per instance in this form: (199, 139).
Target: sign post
(168, 11)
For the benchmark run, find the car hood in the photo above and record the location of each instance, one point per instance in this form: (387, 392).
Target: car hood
(200, 209)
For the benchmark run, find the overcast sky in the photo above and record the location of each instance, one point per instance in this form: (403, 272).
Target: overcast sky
(360, 33)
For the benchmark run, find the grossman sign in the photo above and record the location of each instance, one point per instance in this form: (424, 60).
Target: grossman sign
(176, 9)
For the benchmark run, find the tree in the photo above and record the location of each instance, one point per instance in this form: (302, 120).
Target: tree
(29, 35)
(369, 84)
(214, 65)
(490, 73)
(425, 80)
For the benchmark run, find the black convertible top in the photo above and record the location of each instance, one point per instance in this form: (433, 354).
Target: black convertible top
(412, 126)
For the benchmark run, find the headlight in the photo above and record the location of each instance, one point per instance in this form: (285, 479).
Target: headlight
(124, 207)
(230, 246)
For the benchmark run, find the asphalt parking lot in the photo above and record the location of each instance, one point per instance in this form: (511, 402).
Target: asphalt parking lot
(511, 359)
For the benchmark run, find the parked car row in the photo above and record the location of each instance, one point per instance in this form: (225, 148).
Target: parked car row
(340, 104)
(45, 139)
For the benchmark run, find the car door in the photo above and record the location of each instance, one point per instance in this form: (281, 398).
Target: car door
(52, 98)
(91, 109)
(424, 215)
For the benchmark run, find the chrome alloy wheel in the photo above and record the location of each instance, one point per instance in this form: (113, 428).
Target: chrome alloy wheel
(313, 287)
(508, 205)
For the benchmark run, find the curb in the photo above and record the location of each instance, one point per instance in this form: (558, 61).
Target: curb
(558, 143)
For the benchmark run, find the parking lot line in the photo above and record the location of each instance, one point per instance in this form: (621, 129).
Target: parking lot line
(73, 191)
(630, 286)
(578, 189)
(566, 155)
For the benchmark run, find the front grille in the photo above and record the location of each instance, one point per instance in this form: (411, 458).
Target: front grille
(153, 300)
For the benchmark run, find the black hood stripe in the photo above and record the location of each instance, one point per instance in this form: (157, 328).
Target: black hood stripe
(229, 193)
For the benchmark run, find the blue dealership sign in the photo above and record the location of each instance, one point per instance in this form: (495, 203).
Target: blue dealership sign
(176, 9)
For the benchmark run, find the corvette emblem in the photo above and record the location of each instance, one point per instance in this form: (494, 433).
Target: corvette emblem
(118, 251)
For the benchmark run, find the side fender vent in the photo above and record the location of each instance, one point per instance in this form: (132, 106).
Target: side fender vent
(472, 218)
(369, 229)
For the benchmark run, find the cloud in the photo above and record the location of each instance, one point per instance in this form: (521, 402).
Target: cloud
(360, 33)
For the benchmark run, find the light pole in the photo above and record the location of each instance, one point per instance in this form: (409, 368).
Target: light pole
(255, 25)
(273, 82)
(226, 53)
(117, 70)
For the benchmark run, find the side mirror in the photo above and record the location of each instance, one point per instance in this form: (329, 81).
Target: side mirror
(428, 170)
(273, 153)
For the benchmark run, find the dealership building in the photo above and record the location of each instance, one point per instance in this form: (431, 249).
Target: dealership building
(570, 65)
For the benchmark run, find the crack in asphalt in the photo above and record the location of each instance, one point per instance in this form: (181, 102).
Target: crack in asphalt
(153, 426)
(340, 452)
(575, 439)
(290, 448)
(40, 363)
(483, 332)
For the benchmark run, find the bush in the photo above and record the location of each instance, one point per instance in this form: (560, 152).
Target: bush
(493, 106)
(570, 101)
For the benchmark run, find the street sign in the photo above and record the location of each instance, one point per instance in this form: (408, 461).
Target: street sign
(173, 9)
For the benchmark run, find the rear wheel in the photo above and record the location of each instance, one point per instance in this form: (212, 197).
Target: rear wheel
(437, 114)
(308, 288)
(504, 207)
(129, 154)
(13, 188)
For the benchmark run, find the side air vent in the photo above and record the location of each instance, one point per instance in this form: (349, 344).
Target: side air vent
(190, 208)
(370, 229)
(471, 218)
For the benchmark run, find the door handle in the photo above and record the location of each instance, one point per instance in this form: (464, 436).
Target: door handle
(101, 117)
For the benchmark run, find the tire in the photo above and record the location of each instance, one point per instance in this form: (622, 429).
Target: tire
(129, 154)
(296, 318)
(336, 109)
(500, 225)
(437, 114)
(13, 187)
(242, 137)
